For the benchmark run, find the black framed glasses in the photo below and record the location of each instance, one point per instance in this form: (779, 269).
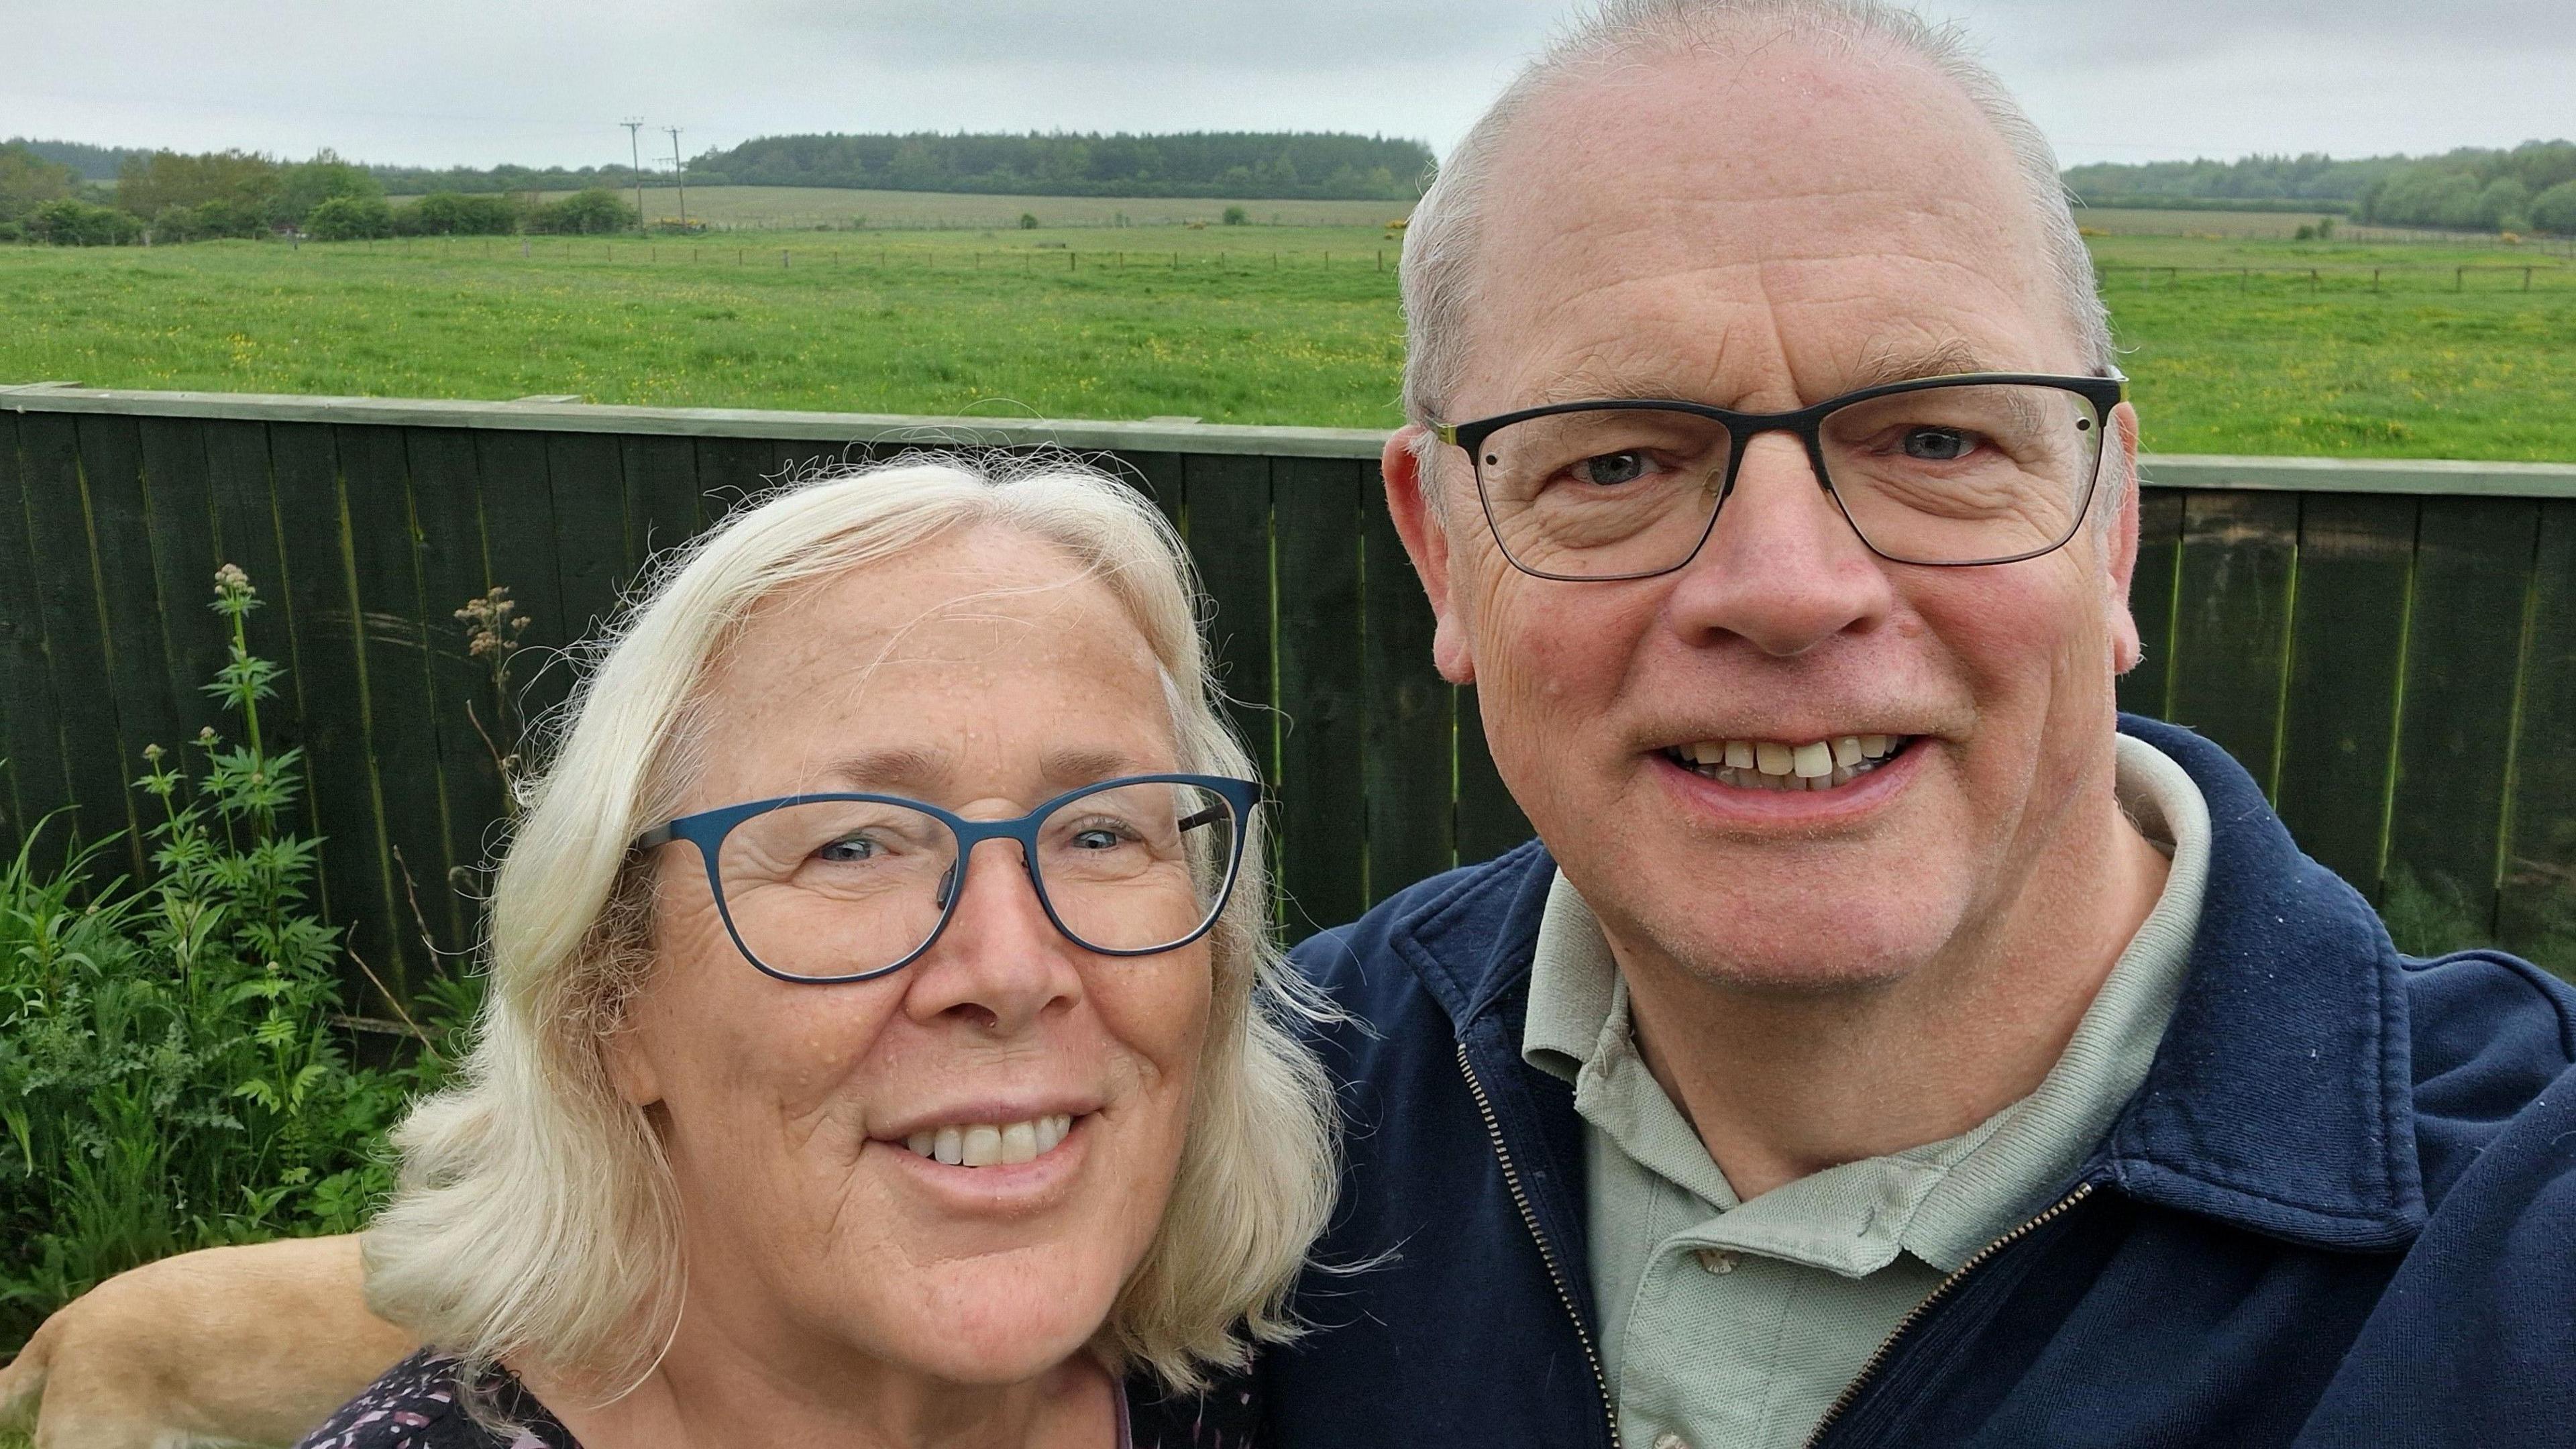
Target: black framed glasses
(849, 887)
(1979, 468)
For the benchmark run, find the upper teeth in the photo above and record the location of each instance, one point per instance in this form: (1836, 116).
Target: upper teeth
(1777, 765)
(982, 1144)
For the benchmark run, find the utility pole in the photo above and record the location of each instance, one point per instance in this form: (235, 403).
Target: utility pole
(679, 173)
(634, 149)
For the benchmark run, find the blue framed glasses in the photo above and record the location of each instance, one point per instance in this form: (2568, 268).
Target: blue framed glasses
(835, 888)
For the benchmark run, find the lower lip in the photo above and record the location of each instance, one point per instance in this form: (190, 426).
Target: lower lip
(1848, 803)
(1004, 1188)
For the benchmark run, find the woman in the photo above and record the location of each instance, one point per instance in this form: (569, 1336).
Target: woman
(884, 1046)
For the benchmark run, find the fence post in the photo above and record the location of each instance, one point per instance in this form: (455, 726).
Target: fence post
(782, 259)
(2459, 279)
(2374, 279)
(2526, 279)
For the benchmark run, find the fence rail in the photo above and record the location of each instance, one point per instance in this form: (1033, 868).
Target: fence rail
(2390, 646)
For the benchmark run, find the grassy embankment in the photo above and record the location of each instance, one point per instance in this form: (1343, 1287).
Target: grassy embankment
(1256, 324)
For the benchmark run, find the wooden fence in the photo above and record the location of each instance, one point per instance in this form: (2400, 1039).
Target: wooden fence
(2391, 647)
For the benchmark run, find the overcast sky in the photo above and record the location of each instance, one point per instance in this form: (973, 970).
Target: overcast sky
(546, 81)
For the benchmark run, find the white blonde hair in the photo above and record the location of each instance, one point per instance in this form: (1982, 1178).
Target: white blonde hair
(1439, 271)
(535, 1218)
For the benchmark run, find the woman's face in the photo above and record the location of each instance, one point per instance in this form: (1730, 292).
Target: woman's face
(986, 675)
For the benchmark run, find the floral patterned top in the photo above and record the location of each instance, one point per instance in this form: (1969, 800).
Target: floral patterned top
(414, 1406)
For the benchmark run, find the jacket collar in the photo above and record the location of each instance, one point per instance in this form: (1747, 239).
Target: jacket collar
(2281, 1100)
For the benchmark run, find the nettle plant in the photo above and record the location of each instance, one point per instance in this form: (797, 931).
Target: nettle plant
(174, 1070)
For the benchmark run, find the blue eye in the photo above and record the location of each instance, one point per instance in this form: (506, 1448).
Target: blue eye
(850, 848)
(1612, 468)
(1938, 445)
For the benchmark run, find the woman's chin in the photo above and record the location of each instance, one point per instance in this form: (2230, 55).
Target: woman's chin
(999, 1320)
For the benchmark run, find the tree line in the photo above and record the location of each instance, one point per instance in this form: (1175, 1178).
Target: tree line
(1249, 164)
(162, 197)
(2530, 188)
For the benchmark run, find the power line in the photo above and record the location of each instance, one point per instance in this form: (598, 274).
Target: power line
(634, 149)
(680, 174)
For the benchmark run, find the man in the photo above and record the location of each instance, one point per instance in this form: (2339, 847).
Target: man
(1885, 1042)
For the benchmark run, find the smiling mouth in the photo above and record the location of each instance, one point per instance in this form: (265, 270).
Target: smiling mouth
(1776, 765)
(991, 1144)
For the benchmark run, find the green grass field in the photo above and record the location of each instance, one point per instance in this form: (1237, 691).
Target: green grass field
(2245, 344)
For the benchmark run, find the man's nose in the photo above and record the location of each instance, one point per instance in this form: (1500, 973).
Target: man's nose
(1782, 569)
(1001, 964)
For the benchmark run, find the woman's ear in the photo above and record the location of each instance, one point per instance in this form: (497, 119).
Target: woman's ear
(631, 1069)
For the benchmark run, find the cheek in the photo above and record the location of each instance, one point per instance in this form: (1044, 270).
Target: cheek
(731, 1049)
(1157, 1009)
(1543, 645)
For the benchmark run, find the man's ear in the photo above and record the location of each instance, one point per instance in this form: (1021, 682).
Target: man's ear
(2121, 542)
(1419, 521)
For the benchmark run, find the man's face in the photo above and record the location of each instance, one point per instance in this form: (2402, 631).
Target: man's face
(1761, 232)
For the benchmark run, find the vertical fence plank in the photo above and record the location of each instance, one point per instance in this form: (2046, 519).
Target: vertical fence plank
(76, 634)
(2355, 551)
(661, 497)
(1489, 819)
(1315, 511)
(304, 468)
(2537, 912)
(1230, 534)
(129, 598)
(729, 471)
(2151, 597)
(446, 504)
(1411, 713)
(1158, 476)
(402, 714)
(30, 724)
(519, 551)
(587, 479)
(179, 503)
(2233, 620)
(2472, 564)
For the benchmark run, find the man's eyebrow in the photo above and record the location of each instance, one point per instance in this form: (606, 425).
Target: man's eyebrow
(1592, 381)
(1906, 364)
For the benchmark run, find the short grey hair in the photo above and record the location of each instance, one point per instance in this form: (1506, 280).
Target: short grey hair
(535, 1217)
(1439, 270)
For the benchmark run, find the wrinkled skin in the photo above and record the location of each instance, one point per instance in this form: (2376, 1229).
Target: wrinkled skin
(839, 1283)
(1761, 232)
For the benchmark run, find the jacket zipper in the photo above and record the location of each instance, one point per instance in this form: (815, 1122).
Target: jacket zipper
(1984, 1255)
(1564, 1293)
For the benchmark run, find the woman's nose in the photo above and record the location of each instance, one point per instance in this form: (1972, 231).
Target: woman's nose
(1000, 965)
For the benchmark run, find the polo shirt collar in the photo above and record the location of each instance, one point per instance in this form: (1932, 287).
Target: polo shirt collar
(2281, 1101)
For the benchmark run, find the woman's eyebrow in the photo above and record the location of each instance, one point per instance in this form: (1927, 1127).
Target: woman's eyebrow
(893, 770)
(1073, 765)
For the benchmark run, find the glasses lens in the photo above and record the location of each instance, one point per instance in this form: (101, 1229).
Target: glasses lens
(1603, 493)
(1973, 473)
(1138, 867)
(835, 887)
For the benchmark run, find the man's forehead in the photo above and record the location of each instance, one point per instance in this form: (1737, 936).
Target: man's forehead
(1856, 219)
(1666, 376)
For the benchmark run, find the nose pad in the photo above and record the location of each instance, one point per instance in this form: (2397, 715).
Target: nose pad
(947, 886)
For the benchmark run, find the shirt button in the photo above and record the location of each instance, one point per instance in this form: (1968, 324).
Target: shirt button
(1715, 1260)
(1670, 1440)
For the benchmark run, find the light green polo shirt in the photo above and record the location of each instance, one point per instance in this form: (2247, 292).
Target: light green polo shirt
(1735, 1325)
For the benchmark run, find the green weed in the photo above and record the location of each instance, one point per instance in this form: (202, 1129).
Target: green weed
(172, 1071)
